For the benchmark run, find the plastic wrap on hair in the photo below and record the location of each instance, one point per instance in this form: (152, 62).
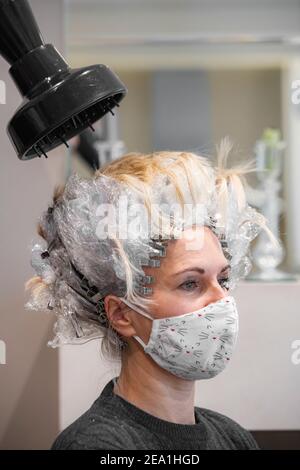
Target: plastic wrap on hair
(40, 263)
(85, 256)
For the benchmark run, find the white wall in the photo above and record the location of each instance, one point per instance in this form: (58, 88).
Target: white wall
(173, 33)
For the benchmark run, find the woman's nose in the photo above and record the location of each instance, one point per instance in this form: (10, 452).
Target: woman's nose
(214, 293)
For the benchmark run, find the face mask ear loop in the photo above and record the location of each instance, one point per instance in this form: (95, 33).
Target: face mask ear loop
(140, 341)
(136, 308)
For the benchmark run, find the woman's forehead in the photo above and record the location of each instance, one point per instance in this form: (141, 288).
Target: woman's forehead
(193, 242)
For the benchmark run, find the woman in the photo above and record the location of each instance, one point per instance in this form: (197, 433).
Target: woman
(144, 255)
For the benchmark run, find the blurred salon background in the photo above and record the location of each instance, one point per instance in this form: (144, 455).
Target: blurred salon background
(196, 71)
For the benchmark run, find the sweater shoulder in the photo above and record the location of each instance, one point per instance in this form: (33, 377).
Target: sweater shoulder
(93, 430)
(228, 428)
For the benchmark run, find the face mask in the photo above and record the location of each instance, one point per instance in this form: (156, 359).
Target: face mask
(196, 345)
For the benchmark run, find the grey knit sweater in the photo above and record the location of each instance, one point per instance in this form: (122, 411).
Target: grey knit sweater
(112, 423)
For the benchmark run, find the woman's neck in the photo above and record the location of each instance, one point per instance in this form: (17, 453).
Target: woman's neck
(154, 390)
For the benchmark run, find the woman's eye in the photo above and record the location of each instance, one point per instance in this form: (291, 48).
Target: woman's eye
(224, 283)
(189, 284)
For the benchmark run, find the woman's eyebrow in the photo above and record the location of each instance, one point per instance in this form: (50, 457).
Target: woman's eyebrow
(200, 270)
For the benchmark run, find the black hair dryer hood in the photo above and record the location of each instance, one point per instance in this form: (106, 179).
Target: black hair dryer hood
(59, 102)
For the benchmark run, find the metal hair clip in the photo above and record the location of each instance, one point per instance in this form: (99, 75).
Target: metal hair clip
(228, 255)
(146, 279)
(145, 290)
(162, 252)
(213, 223)
(153, 263)
(100, 305)
(158, 245)
(103, 320)
(92, 292)
(97, 297)
(46, 253)
(223, 240)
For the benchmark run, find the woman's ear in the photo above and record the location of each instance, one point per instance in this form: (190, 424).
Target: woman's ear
(118, 315)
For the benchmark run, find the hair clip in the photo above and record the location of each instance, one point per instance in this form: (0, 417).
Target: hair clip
(95, 298)
(154, 263)
(102, 317)
(146, 279)
(100, 305)
(158, 245)
(92, 292)
(228, 255)
(162, 253)
(213, 223)
(145, 290)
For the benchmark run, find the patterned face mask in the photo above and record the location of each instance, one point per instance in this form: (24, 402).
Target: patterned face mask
(196, 345)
